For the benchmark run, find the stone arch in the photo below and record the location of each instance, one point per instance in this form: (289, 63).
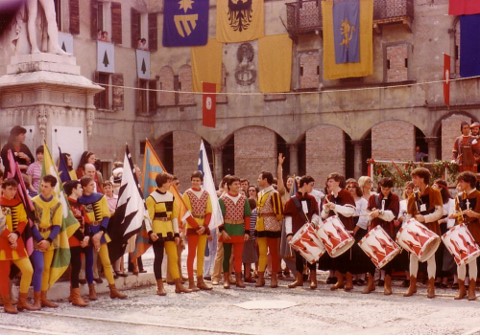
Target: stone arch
(166, 82)
(185, 84)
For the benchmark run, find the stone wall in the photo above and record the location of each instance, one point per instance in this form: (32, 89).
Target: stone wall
(393, 140)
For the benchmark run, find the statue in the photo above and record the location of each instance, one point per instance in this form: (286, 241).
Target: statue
(52, 28)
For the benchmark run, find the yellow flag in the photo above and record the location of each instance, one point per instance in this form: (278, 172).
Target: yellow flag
(207, 65)
(274, 67)
(239, 20)
(332, 67)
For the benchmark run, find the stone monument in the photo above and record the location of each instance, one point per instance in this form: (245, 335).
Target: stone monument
(43, 87)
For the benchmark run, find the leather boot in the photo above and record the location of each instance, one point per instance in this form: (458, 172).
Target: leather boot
(160, 289)
(239, 281)
(313, 279)
(348, 282)
(387, 287)
(471, 290)
(77, 299)
(298, 281)
(115, 294)
(8, 307)
(431, 288)
(340, 283)
(461, 290)
(202, 285)
(92, 293)
(370, 287)
(37, 300)
(45, 301)
(226, 280)
(191, 284)
(179, 288)
(274, 280)
(24, 304)
(260, 280)
(412, 289)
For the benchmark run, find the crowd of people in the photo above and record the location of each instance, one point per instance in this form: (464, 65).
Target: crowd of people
(255, 241)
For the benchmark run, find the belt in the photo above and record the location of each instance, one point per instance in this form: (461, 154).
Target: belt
(95, 223)
(42, 230)
(232, 221)
(164, 219)
(198, 216)
(267, 214)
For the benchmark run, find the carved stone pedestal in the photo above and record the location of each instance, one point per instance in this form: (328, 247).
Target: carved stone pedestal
(46, 94)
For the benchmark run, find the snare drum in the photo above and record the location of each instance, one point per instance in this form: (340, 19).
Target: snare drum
(460, 243)
(379, 247)
(334, 237)
(418, 239)
(306, 242)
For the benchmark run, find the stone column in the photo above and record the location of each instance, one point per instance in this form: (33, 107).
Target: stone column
(217, 164)
(432, 148)
(293, 152)
(357, 158)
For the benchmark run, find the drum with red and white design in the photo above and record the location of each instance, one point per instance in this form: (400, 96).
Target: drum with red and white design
(379, 247)
(334, 237)
(416, 238)
(306, 242)
(460, 243)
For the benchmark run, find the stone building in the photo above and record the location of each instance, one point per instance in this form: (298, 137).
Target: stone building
(322, 126)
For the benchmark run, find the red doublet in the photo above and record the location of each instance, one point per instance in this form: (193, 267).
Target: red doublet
(15, 221)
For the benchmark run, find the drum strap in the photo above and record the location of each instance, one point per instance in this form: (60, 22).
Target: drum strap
(298, 204)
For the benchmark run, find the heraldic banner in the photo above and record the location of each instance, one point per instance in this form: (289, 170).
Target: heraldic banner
(348, 38)
(239, 21)
(275, 68)
(207, 65)
(185, 23)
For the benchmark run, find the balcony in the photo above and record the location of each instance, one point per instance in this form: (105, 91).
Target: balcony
(386, 12)
(305, 16)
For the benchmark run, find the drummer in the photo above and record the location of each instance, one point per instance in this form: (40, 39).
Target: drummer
(424, 205)
(384, 208)
(300, 209)
(469, 203)
(340, 202)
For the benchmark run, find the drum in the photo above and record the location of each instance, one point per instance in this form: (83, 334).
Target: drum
(334, 237)
(306, 242)
(418, 239)
(461, 245)
(379, 247)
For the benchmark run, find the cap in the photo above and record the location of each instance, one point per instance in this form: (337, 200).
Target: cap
(475, 124)
(16, 130)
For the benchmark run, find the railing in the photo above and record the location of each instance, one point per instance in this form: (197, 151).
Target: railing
(305, 16)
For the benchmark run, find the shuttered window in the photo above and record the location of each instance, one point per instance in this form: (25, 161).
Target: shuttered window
(74, 6)
(94, 19)
(116, 22)
(117, 92)
(135, 19)
(152, 32)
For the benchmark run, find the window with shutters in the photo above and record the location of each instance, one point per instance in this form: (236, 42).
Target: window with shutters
(144, 30)
(184, 83)
(106, 21)
(67, 15)
(112, 98)
(166, 86)
(146, 97)
(309, 69)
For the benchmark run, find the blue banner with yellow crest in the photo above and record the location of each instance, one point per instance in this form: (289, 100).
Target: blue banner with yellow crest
(346, 30)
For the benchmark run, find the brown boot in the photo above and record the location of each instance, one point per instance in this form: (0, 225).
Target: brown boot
(273, 280)
(24, 304)
(115, 294)
(298, 281)
(45, 301)
(340, 283)
(471, 290)
(348, 282)
(179, 288)
(260, 280)
(239, 281)
(92, 293)
(77, 299)
(431, 288)
(387, 287)
(412, 289)
(461, 290)
(313, 279)
(191, 284)
(370, 287)
(226, 280)
(160, 289)
(202, 285)
(37, 300)
(8, 307)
